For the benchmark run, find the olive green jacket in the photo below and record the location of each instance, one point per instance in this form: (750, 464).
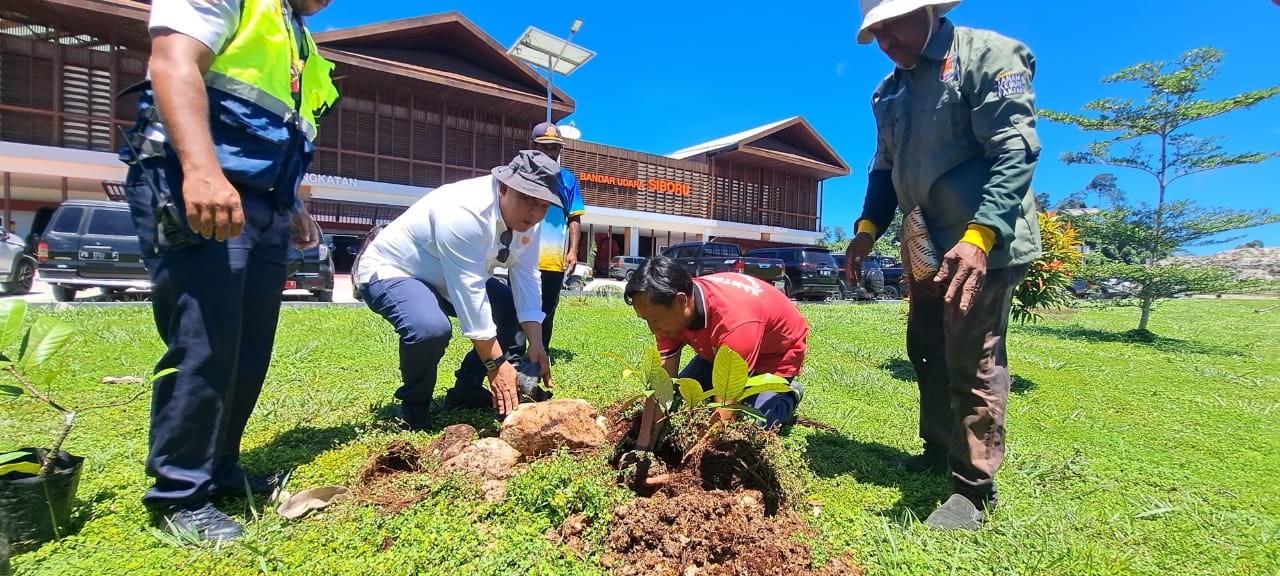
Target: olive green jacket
(956, 137)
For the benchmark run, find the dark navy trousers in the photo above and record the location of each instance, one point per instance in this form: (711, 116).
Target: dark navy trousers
(216, 306)
(552, 283)
(775, 407)
(420, 315)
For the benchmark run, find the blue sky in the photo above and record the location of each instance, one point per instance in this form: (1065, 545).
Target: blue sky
(672, 74)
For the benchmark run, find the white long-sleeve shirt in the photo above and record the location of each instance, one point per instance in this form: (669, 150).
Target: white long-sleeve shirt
(450, 240)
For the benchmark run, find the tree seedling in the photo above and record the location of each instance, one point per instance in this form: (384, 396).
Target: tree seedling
(44, 341)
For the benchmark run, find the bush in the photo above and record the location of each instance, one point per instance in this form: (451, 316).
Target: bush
(1049, 277)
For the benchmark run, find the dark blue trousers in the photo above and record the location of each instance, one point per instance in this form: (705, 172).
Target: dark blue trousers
(215, 306)
(775, 407)
(421, 317)
(552, 283)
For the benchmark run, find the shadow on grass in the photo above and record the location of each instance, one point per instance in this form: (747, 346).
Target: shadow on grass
(831, 455)
(1136, 337)
(295, 447)
(559, 355)
(901, 369)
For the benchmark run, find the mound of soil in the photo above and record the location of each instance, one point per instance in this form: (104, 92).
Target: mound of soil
(710, 533)
(719, 507)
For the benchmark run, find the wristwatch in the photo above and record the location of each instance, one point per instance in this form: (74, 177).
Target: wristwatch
(491, 365)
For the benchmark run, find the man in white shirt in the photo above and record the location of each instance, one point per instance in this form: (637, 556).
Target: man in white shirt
(437, 260)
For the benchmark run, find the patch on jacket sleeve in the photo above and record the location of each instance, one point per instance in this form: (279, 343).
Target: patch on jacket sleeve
(1010, 84)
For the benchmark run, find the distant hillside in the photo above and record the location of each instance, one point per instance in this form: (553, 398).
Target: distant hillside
(1248, 263)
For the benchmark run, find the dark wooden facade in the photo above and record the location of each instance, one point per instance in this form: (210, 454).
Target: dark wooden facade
(425, 102)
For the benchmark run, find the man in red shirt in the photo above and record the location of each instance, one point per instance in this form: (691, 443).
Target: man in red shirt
(751, 317)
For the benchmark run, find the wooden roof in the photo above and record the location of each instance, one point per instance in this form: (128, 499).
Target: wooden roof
(790, 144)
(443, 49)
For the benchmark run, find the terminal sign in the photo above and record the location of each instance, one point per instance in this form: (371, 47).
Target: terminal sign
(330, 180)
(651, 184)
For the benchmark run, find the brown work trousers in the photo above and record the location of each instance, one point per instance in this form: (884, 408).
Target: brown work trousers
(964, 377)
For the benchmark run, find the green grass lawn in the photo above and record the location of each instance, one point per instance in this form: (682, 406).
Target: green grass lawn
(1157, 457)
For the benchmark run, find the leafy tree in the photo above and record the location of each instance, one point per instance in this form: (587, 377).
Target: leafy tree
(888, 243)
(1173, 103)
(1043, 203)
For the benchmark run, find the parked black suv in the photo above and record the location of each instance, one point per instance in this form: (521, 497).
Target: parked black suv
(873, 284)
(810, 270)
(312, 270)
(91, 244)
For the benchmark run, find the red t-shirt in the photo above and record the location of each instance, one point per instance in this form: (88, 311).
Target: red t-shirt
(751, 317)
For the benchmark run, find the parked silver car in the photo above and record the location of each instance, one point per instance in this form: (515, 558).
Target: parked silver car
(17, 267)
(621, 267)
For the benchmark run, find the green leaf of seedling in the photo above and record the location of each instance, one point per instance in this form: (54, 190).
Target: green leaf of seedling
(691, 391)
(728, 375)
(47, 337)
(11, 314)
(7, 457)
(762, 383)
(749, 411)
(10, 391)
(658, 379)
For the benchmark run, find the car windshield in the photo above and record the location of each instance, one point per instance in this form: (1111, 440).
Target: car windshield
(819, 257)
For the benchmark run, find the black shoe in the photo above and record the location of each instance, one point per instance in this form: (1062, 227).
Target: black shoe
(927, 462)
(414, 416)
(260, 486)
(957, 513)
(468, 397)
(201, 521)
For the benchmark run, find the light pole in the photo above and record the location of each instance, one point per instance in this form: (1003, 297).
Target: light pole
(551, 70)
(552, 54)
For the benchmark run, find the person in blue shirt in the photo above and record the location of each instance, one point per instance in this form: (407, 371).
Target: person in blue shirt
(561, 229)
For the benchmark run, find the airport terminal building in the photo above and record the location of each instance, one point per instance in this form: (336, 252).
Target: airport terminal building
(425, 101)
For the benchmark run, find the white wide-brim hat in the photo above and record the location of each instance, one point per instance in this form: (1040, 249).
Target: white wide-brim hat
(874, 11)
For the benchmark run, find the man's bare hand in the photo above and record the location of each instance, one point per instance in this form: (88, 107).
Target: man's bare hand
(570, 262)
(503, 386)
(965, 266)
(539, 354)
(857, 251)
(302, 229)
(213, 205)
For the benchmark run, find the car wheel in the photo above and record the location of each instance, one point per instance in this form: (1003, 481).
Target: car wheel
(22, 278)
(323, 295)
(842, 290)
(890, 293)
(63, 294)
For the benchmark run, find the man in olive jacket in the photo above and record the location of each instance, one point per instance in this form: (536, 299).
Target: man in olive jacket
(956, 140)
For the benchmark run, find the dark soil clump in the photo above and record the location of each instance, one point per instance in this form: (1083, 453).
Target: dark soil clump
(710, 533)
(713, 500)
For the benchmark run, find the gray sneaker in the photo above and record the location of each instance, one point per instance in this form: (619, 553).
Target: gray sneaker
(957, 513)
(202, 520)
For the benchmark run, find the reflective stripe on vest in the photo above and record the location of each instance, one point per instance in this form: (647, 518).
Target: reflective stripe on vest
(257, 66)
(252, 94)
